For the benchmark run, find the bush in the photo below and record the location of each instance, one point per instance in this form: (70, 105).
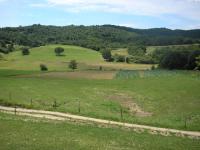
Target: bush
(197, 63)
(59, 50)
(119, 58)
(180, 59)
(1, 56)
(137, 50)
(25, 51)
(4, 50)
(11, 47)
(153, 67)
(106, 54)
(140, 59)
(100, 68)
(43, 67)
(174, 60)
(192, 59)
(73, 64)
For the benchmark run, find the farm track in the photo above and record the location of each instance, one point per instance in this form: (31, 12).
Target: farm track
(64, 116)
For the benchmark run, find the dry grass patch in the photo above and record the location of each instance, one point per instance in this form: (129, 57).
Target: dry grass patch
(128, 102)
(76, 75)
(119, 66)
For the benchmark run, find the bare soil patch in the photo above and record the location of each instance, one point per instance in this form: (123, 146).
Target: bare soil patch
(128, 102)
(76, 74)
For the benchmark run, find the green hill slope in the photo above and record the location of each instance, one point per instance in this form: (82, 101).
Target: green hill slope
(46, 55)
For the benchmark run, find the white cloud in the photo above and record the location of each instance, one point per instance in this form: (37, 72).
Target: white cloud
(184, 8)
(2, 1)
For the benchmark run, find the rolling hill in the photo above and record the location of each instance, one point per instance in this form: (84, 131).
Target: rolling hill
(95, 37)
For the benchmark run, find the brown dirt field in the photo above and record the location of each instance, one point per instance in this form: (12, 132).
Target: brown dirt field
(76, 75)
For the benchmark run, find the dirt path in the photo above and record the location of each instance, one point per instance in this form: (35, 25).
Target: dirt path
(64, 116)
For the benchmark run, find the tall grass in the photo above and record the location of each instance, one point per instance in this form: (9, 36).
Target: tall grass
(131, 74)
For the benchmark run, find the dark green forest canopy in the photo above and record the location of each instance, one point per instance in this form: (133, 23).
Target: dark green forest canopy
(96, 37)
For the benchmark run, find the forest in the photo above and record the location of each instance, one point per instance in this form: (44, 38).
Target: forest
(95, 37)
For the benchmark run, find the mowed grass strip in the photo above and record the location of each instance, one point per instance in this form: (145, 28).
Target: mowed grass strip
(22, 133)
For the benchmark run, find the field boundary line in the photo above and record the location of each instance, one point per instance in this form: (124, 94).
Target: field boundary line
(66, 116)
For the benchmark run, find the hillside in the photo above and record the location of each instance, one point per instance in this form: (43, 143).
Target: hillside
(96, 37)
(87, 59)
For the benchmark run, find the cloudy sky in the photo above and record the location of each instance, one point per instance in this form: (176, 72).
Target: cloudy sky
(174, 14)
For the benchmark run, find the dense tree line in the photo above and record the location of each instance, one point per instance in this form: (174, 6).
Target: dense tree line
(94, 37)
(177, 59)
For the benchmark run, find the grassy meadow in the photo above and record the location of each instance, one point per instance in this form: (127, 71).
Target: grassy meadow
(87, 59)
(158, 98)
(35, 134)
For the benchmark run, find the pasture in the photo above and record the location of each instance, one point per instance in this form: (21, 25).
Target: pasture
(143, 100)
(35, 134)
(87, 60)
(157, 98)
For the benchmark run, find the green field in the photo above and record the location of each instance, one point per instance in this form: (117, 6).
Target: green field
(22, 133)
(87, 59)
(159, 98)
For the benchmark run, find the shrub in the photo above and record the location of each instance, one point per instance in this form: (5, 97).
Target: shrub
(137, 50)
(43, 67)
(73, 64)
(1, 56)
(25, 51)
(140, 59)
(197, 63)
(119, 58)
(11, 47)
(100, 68)
(180, 59)
(106, 54)
(59, 50)
(153, 67)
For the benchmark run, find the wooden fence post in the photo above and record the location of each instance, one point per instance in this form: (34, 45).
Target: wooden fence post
(121, 113)
(55, 104)
(79, 107)
(31, 102)
(15, 110)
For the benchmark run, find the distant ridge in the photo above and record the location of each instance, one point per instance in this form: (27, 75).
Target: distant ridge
(96, 37)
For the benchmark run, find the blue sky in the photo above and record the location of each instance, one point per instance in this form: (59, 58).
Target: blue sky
(174, 14)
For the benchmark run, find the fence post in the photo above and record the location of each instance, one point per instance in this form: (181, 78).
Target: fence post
(55, 104)
(79, 107)
(121, 113)
(15, 110)
(31, 102)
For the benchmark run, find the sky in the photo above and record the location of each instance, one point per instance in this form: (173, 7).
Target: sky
(173, 14)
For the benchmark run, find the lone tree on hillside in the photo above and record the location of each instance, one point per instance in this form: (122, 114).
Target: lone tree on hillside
(73, 64)
(25, 51)
(59, 50)
(106, 54)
